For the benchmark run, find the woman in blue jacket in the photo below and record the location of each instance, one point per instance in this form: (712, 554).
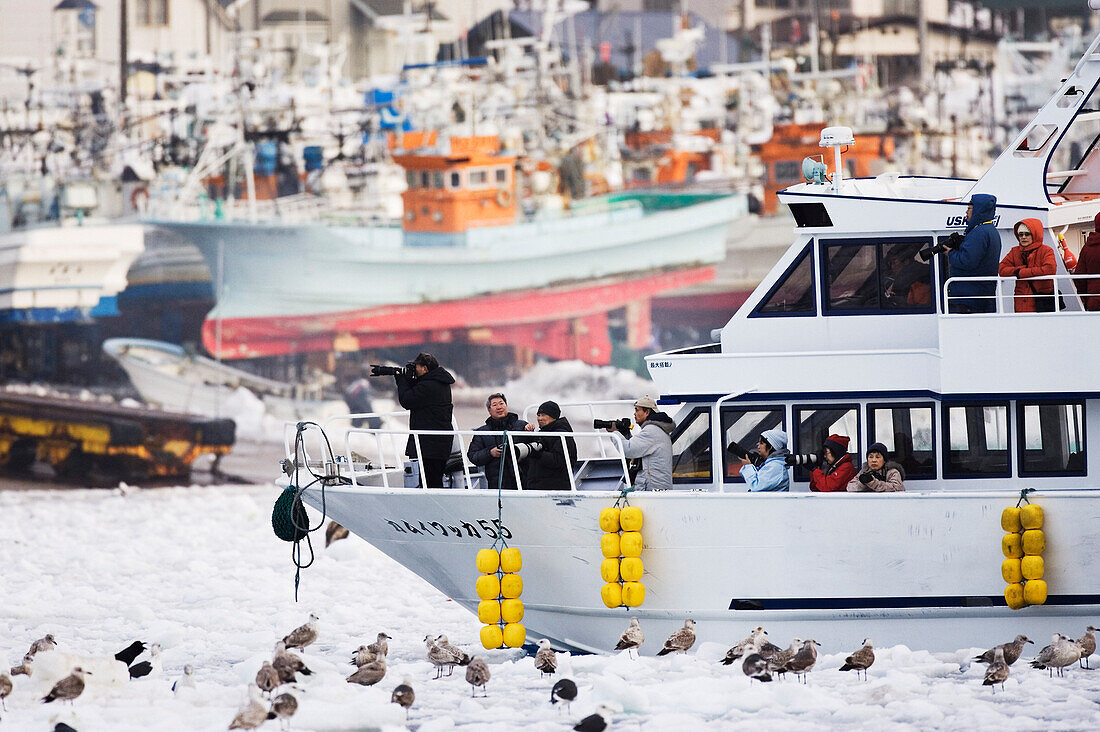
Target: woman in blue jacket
(772, 474)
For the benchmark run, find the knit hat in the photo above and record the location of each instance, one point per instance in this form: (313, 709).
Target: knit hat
(646, 402)
(776, 438)
(880, 449)
(837, 444)
(550, 409)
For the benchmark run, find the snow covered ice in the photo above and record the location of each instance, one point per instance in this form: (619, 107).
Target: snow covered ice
(199, 571)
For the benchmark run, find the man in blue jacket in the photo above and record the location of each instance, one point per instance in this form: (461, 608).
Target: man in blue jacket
(977, 255)
(772, 474)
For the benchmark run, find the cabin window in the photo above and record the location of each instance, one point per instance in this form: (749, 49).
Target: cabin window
(793, 294)
(502, 176)
(908, 432)
(788, 170)
(437, 180)
(479, 178)
(976, 441)
(1052, 438)
(152, 13)
(743, 425)
(816, 423)
(877, 277)
(425, 179)
(454, 181)
(411, 178)
(691, 448)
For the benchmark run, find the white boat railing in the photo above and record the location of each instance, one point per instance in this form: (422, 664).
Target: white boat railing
(1071, 298)
(590, 408)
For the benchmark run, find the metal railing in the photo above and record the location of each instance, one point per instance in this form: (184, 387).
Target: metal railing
(590, 407)
(1069, 295)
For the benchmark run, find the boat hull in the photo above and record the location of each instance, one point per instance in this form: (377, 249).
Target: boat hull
(919, 569)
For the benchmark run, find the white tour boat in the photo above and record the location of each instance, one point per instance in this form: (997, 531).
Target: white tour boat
(977, 408)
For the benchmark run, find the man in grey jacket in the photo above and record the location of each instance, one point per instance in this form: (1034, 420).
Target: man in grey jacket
(652, 445)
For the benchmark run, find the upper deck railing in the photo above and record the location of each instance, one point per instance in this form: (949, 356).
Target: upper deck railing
(1069, 299)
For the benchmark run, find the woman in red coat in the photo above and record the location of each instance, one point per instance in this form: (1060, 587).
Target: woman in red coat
(1031, 258)
(1088, 262)
(836, 466)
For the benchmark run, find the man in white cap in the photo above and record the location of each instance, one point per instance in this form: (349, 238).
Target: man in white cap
(652, 445)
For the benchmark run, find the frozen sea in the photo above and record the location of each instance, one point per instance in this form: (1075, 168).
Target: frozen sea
(198, 570)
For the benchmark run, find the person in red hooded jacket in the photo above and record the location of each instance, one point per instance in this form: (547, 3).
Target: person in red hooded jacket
(1088, 262)
(836, 466)
(1031, 258)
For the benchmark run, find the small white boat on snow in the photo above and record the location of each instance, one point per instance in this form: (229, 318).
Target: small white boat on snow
(977, 407)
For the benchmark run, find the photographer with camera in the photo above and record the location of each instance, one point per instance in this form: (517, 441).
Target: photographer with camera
(424, 388)
(975, 254)
(486, 450)
(652, 445)
(877, 475)
(772, 474)
(835, 463)
(549, 465)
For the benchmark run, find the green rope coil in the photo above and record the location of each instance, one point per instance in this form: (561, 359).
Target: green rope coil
(288, 517)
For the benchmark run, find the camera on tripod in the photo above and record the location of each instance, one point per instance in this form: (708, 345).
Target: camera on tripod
(622, 425)
(379, 370)
(952, 242)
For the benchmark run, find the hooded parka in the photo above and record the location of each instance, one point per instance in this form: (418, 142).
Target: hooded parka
(1036, 260)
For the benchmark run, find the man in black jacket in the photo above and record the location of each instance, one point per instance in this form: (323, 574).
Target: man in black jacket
(427, 396)
(486, 450)
(548, 465)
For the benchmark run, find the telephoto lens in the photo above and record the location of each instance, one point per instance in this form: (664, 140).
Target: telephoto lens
(805, 459)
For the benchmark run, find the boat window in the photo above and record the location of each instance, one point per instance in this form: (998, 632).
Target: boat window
(437, 179)
(479, 178)
(793, 294)
(1036, 138)
(691, 448)
(411, 177)
(908, 432)
(975, 441)
(502, 176)
(455, 179)
(1052, 438)
(877, 276)
(744, 425)
(817, 423)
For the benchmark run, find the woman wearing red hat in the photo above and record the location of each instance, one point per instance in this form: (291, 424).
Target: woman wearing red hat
(1031, 258)
(836, 466)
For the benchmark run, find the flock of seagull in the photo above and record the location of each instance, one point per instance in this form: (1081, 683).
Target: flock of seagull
(270, 695)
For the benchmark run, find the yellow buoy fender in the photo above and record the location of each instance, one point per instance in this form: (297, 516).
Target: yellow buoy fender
(1010, 519)
(487, 586)
(612, 594)
(1032, 568)
(1031, 516)
(609, 570)
(1011, 571)
(1012, 545)
(488, 612)
(633, 594)
(631, 518)
(609, 520)
(631, 569)
(492, 636)
(609, 545)
(1014, 596)
(1035, 592)
(487, 561)
(511, 560)
(511, 586)
(511, 611)
(631, 544)
(1034, 541)
(514, 635)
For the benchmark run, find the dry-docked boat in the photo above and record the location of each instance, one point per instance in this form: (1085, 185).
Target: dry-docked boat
(977, 408)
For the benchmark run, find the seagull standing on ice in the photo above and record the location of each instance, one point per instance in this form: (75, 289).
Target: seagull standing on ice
(44, 643)
(283, 708)
(477, 674)
(750, 643)
(1088, 646)
(803, 661)
(756, 667)
(440, 656)
(461, 657)
(597, 722)
(632, 637)
(546, 661)
(187, 681)
(5, 689)
(404, 695)
(252, 714)
(1012, 651)
(369, 674)
(334, 532)
(381, 645)
(564, 690)
(362, 656)
(267, 678)
(24, 669)
(303, 635)
(68, 688)
(681, 640)
(997, 671)
(1060, 653)
(777, 664)
(288, 664)
(862, 659)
